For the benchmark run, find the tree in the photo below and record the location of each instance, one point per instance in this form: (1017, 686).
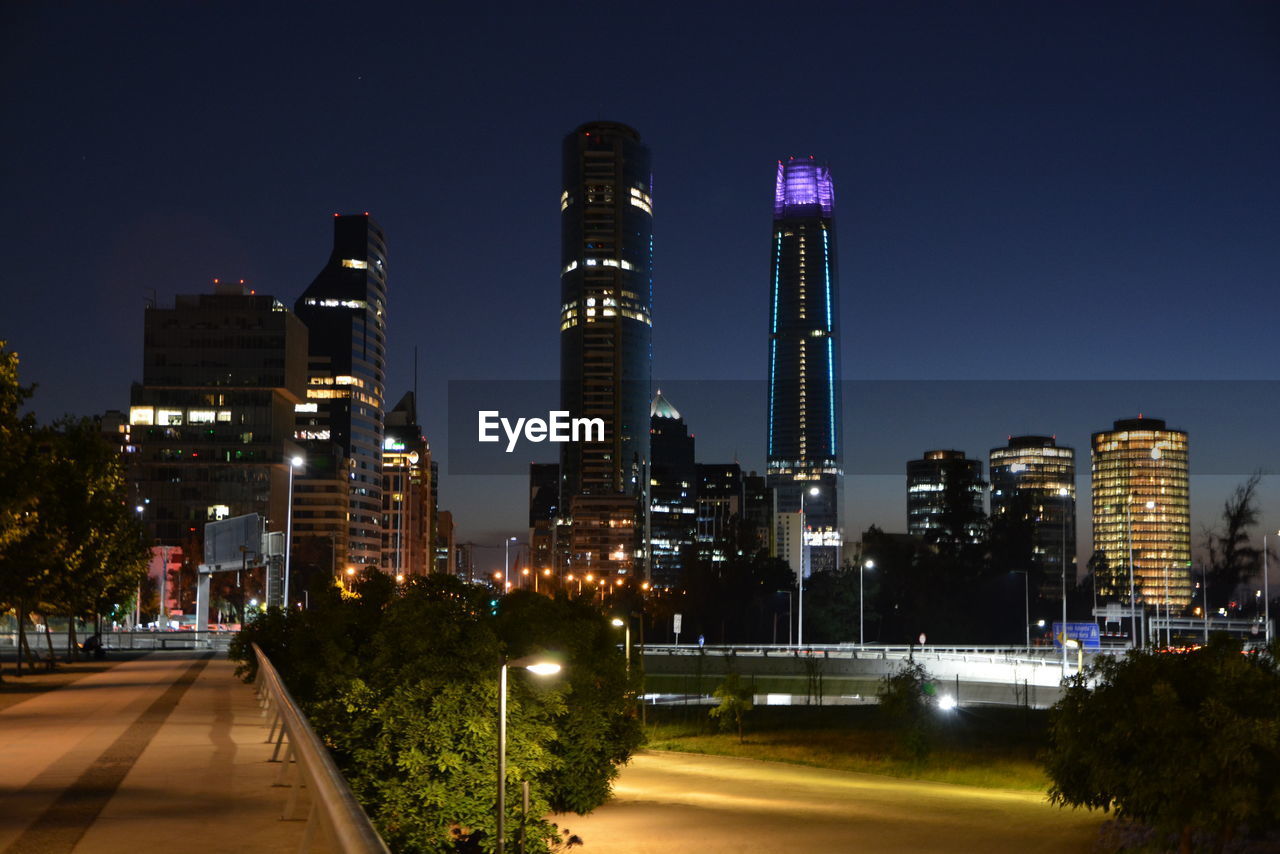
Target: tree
(906, 704)
(1232, 560)
(1186, 744)
(735, 701)
(19, 492)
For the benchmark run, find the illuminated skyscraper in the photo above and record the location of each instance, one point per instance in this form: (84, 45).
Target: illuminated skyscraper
(406, 492)
(673, 494)
(606, 302)
(944, 498)
(804, 356)
(1033, 483)
(1142, 508)
(341, 422)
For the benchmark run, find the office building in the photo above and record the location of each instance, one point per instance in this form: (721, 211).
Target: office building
(1033, 488)
(211, 423)
(606, 303)
(1142, 509)
(406, 492)
(945, 498)
(721, 503)
(673, 489)
(341, 423)
(544, 514)
(804, 450)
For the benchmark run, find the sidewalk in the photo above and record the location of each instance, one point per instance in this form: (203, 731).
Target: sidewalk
(165, 751)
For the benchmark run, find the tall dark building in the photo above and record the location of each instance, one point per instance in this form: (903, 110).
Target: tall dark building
(345, 310)
(1033, 487)
(212, 419)
(406, 492)
(804, 357)
(544, 514)
(673, 488)
(944, 497)
(606, 302)
(722, 501)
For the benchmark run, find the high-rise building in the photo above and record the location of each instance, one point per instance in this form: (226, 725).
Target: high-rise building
(446, 546)
(804, 356)
(1142, 509)
(212, 419)
(759, 512)
(341, 423)
(673, 489)
(406, 492)
(606, 303)
(721, 503)
(945, 497)
(1033, 484)
(544, 513)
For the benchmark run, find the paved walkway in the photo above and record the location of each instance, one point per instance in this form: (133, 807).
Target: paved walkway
(166, 752)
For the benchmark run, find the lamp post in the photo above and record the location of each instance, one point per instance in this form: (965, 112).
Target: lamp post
(1064, 494)
(804, 566)
(866, 564)
(1026, 604)
(295, 462)
(506, 559)
(625, 624)
(539, 666)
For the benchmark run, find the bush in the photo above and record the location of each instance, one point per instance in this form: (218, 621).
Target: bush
(735, 701)
(1186, 744)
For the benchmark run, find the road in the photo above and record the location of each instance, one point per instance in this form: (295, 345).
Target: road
(679, 802)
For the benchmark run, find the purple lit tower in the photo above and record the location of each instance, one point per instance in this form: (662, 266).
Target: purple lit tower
(804, 465)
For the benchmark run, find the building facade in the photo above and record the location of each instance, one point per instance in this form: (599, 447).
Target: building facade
(1033, 484)
(544, 515)
(606, 305)
(721, 507)
(945, 494)
(1142, 510)
(406, 493)
(673, 491)
(804, 437)
(211, 423)
(341, 422)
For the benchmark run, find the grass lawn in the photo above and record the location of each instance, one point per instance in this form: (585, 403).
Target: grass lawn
(981, 746)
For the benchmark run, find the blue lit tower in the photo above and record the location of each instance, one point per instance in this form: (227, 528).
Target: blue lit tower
(804, 357)
(606, 303)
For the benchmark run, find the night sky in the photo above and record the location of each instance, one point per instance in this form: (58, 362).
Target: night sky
(1025, 191)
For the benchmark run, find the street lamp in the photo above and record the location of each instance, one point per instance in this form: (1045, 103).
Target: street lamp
(620, 623)
(1266, 592)
(538, 666)
(866, 564)
(506, 562)
(1064, 494)
(295, 462)
(804, 566)
(351, 572)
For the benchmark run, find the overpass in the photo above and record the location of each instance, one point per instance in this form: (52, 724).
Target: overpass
(848, 673)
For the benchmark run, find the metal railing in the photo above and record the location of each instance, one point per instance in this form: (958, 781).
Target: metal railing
(1044, 656)
(333, 805)
(217, 640)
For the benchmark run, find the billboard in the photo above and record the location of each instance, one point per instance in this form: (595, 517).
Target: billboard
(1086, 633)
(227, 541)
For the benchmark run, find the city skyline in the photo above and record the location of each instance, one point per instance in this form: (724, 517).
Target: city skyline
(1088, 173)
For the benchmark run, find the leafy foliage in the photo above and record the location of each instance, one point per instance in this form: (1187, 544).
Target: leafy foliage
(735, 701)
(1183, 743)
(906, 704)
(403, 689)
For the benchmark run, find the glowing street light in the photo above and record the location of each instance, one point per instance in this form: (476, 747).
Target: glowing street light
(294, 463)
(539, 666)
(804, 566)
(866, 564)
(620, 623)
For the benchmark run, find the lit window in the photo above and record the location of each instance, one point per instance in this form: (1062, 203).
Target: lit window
(168, 416)
(142, 415)
(224, 416)
(355, 264)
(201, 416)
(305, 407)
(218, 512)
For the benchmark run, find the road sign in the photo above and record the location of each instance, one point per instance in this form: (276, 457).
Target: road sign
(676, 627)
(1086, 633)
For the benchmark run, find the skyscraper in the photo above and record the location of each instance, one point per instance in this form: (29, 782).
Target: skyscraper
(1142, 509)
(804, 357)
(1033, 484)
(406, 492)
(212, 418)
(345, 310)
(606, 302)
(673, 489)
(944, 497)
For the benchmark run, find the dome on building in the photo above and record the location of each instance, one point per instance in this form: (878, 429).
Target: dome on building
(662, 408)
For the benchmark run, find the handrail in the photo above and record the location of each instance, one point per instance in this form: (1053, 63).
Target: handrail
(331, 797)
